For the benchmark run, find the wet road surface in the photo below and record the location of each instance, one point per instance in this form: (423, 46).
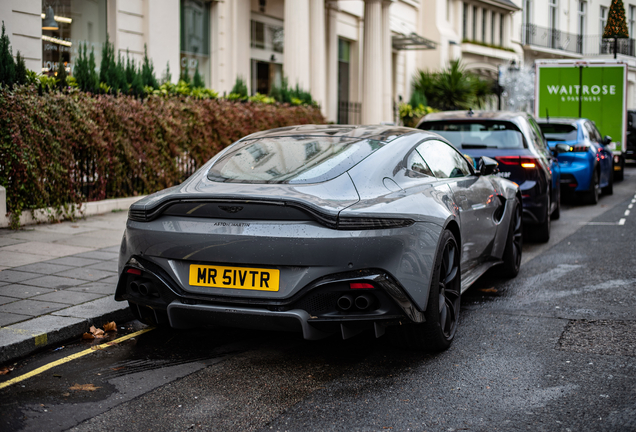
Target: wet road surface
(552, 350)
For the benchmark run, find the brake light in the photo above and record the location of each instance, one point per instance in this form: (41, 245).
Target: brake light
(134, 271)
(524, 161)
(579, 148)
(360, 285)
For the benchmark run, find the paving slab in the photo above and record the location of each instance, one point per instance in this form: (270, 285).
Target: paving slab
(26, 235)
(31, 307)
(67, 297)
(99, 255)
(43, 267)
(12, 276)
(109, 266)
(8, 241)
(22, 291)
(88, 242)
(7, 319)
(96, 288)
(15, 259)
(93, 308)
(53, 282)
(47, 249)
(5, 300)
(75, 261)
(85, 274)
(112, 248)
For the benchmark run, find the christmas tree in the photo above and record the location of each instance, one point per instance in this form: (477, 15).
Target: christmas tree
(616, 27)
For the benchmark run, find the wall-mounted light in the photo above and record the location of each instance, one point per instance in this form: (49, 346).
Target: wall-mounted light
(49, 22)
(272, 58)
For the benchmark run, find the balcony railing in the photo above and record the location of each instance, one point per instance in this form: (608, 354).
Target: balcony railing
(550, 38)
(585, 45)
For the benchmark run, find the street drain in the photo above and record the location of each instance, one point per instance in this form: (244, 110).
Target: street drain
(600, 337)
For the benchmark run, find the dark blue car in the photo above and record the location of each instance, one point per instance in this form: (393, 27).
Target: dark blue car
(586, 166)
(515, 141)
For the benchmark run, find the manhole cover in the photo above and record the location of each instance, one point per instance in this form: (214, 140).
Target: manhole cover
(600, 337)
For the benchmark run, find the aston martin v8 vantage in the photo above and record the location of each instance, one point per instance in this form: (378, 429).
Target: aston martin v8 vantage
(323, 230)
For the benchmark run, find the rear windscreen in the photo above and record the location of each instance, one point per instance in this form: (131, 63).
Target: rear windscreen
(559, 132)
(295, 159)
(478, 134)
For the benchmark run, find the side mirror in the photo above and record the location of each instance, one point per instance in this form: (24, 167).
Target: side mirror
(560, 148)
(607, 140)
(488, 166)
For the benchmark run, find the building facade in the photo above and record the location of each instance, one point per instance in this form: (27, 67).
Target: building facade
(356, 57)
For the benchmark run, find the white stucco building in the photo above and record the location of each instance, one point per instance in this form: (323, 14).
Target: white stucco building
(356, 57)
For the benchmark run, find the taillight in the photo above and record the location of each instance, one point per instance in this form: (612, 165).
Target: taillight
(360, 285)
(524, 161)
(579, 148)
(134, 271)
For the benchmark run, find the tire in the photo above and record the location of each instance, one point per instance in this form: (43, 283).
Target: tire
(541, 232)
(442, 313)
(609, 189)
(514, 243)
(556, 214)
(594, 191)
(148, 316)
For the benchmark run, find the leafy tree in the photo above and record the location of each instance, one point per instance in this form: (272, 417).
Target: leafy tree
(61, 73)
(107, 59)
(93, 80)
(21, 71)
(240, 88)
(452, 88)
(197, 80)
(7, 65)
(148, 72)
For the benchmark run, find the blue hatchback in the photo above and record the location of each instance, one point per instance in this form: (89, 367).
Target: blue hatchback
(586, 166)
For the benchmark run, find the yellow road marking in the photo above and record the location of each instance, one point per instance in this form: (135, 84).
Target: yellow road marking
(71, 357)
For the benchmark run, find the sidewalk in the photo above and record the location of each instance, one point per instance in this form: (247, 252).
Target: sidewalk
(56, 280)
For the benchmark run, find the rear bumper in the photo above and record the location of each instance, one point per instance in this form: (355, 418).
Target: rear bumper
(578, 169)
(534, 203)
(314, 311)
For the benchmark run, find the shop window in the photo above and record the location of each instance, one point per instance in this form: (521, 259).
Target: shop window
(65, 25)
(195, 38)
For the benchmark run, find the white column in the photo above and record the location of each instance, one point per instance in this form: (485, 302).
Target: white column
(372, 92)
(387, 64)
(162, 36)
(297, 54)
(495, 24)
(240, 52)
(332, 65)
(489, 24)
(318, 57)
(469, 21)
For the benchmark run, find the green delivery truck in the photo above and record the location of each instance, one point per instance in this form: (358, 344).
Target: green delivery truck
(592, 89)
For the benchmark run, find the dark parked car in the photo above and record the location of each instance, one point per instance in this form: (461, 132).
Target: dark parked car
(516, 142)
(323, 230)
(586, 165)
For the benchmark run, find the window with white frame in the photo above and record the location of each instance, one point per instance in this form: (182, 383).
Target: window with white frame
(465, 22)
(582, 17)
(632, 20)
(553, 14)
(603, 19)
(527, 12)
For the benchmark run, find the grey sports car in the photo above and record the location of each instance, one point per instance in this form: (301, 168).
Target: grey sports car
(322, 230)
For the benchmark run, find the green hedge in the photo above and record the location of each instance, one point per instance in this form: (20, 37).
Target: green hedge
(60, 149)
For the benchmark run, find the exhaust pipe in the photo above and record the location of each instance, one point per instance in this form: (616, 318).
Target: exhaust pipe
(134, 287)
(145, 288)
(345, 302)
(363, 302)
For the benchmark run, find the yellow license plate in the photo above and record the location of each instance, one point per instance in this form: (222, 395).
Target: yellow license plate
(234, 277)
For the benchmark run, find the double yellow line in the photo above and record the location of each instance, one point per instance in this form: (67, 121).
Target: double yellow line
(72, 357)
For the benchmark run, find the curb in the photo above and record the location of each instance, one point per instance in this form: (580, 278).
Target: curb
(24, 338)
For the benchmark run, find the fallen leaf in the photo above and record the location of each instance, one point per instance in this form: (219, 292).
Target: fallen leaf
(111, 343)
(111, 326)
(118, 368)
(84, 387)
(66, 394)
(5, 370)
(488, 290)
(96, 347)
(88, 336)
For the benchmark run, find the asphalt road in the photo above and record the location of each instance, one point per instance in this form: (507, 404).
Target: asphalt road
(552, 350)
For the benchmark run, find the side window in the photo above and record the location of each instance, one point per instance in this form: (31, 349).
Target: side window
(599, 137)
(443, 159)
(416, 163)
(537, 137)
(591, 131)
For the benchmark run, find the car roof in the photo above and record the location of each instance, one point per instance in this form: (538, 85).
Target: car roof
(385, 133)
(560, 120)
(474, 115)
